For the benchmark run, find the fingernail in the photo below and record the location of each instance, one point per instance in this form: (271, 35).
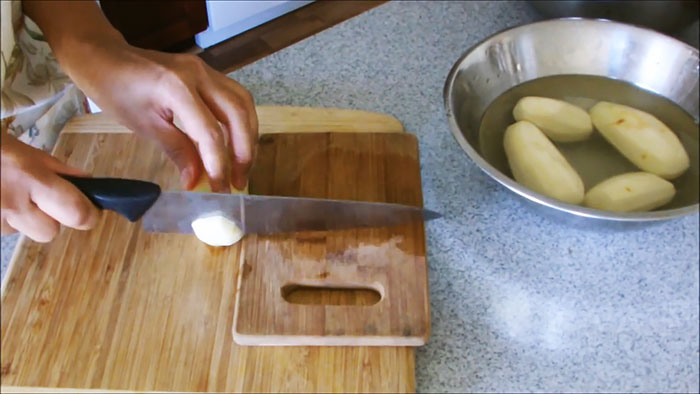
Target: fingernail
(219, 187)
(239, 184)
(186, 177)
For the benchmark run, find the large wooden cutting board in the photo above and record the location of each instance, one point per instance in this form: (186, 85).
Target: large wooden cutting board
(117, 309)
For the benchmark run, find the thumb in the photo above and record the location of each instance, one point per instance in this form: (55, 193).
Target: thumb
(182, 152)
(61, 168)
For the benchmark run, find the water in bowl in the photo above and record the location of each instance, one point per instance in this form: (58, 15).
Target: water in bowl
(594, 159)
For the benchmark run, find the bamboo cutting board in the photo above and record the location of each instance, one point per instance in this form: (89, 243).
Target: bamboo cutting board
(389, 262)
(116, 309)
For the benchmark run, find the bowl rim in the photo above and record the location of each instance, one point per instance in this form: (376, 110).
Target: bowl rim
(528, 193)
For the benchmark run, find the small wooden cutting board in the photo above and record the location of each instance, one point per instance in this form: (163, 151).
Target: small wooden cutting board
(390, 262)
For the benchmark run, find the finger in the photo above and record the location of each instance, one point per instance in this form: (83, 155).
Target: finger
(63, 201)
(182, 152)
(253, 121)
(201, 126)
(6, 228)
(246, 99)
(233, 106)
(34, 223)
(62, 168)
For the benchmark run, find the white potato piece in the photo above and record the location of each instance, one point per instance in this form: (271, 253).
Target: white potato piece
(559, 120)
(217, 230)
(537, 164)
(630, 192)
(641, 138)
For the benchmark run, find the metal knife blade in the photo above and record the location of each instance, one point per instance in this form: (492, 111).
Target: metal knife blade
(175, 211)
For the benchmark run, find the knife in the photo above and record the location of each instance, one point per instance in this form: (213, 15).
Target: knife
(173, 212)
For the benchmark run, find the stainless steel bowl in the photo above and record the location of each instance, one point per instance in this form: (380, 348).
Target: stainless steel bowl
(645, 58)
(668, 16)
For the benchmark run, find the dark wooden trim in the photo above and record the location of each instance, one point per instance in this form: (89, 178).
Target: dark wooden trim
(282, 32)
(157, 24)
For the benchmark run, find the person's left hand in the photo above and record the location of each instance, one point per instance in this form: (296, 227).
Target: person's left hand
(147, 90)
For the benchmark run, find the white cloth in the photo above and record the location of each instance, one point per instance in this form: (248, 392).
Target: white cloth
(38, 98)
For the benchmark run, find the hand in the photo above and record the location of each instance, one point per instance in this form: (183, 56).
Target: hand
(147, 90)
(34, 198)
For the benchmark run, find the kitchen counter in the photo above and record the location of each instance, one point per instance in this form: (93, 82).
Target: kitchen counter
(519, 302)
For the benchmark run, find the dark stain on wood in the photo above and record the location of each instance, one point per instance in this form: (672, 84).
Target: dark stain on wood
(246, 269)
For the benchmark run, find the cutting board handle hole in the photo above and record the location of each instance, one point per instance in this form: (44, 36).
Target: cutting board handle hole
(330, 295)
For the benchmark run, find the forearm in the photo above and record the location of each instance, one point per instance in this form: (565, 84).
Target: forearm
(72, 29)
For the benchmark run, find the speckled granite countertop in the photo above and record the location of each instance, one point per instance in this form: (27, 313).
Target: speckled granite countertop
(519, 303)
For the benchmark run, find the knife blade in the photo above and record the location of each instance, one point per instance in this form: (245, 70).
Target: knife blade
(173, 212)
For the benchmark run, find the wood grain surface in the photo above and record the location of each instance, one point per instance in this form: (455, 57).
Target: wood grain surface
(380, 167)
(274, 119)
(118, 309)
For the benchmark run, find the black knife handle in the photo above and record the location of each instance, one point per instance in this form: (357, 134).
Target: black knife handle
(130, 198)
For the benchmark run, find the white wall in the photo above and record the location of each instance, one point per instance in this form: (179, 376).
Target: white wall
(230, 18)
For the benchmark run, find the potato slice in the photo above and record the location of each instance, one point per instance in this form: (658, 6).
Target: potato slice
(559, 120)
(641, 138)
(216, 229)
(537, 164)
(631, 192)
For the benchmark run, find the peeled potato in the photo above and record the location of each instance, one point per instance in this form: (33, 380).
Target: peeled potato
(631, 192)
(559, 120)
(537, 164)
(641, 138)
(216, 229)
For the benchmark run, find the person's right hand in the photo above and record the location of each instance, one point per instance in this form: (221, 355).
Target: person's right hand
(35, 199)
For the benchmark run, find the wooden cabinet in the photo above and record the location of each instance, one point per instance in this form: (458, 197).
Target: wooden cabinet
(157, 24)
